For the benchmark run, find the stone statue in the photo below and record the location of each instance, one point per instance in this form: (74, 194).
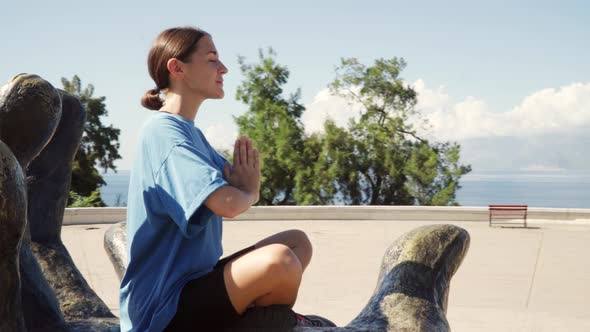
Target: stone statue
(30, 109)
(49, 176)
(13, 216)
(40, 130)
(42, 290)
(411, 292)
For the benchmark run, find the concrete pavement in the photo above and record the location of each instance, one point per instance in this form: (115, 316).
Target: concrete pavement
(512, 279)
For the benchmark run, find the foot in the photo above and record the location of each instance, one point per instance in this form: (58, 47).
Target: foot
(313, 320)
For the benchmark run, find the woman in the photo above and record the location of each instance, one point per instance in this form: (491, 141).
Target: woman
(180, 189)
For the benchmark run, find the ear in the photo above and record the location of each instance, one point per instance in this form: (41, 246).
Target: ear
(175, 67)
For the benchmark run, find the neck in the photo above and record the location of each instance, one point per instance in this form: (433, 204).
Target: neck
(183, 105)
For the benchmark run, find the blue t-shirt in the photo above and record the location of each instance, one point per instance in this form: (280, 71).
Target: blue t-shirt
(172, 237)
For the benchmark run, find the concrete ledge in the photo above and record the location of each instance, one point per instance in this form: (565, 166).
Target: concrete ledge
(106, 215)
(364, 213)
(77, 216)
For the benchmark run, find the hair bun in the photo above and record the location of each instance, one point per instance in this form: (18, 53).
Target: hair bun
(151, 100)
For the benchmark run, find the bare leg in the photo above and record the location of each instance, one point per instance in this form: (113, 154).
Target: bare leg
(268, 275)
(296, 240)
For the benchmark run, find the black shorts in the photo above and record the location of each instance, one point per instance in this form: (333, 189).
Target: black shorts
(204, 303)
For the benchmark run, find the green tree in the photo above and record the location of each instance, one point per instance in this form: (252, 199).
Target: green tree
(434, 172)
(380, 159)
(273, 122)
(92, 200)
(311, 189)
(98, 148)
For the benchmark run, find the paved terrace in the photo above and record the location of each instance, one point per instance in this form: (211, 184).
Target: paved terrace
(512, 279)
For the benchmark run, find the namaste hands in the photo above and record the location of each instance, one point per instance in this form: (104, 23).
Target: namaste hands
(246, 171)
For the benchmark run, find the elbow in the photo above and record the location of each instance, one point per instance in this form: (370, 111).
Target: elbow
(227, 202)
(235, 211)
(228, 212)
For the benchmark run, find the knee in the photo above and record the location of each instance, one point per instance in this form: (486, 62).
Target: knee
(301, 238)
(302, 241)
(283, 264)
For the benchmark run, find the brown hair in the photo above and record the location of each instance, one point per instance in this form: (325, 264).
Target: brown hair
(177, 43)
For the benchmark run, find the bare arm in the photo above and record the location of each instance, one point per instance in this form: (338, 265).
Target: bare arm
(228, 201)
(244, 182)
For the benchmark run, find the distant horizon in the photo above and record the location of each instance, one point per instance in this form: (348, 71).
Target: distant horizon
(553, 189)
(548, 170)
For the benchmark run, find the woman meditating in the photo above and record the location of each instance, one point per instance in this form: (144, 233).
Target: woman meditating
(180, 189)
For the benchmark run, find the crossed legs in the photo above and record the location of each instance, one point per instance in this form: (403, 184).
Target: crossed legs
(270, 274)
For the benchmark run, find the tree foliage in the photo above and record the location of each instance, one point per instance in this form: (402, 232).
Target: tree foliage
(98, 148)
(92, 200)
(378, 159)
(273, 122)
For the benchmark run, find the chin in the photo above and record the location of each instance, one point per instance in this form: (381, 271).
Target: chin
(218, 95)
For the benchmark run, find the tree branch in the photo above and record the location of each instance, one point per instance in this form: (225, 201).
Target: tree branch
(368, 177)
(412, 134)
(358, 98)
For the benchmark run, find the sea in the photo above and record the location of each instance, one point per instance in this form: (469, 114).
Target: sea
(553, 188)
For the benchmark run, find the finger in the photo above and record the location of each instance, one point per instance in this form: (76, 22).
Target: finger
(250, 153)
(243, 151)
(237, 152)
(226, 171)
(256, 159)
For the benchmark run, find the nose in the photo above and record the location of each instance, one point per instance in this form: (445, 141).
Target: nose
(222, 68)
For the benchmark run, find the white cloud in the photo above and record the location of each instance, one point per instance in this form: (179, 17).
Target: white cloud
(431, 100)
(222, 136)
(543, 112)
(546, 130)
(325, 105)
(549, 129)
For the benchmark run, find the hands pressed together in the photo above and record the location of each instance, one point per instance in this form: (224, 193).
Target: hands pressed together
(246, 171)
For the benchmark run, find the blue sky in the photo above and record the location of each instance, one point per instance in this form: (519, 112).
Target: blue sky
(477, 65)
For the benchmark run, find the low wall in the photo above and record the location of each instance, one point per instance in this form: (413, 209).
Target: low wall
(76, 216)
(106, 215)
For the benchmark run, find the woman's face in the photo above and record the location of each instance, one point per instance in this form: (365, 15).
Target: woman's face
(204, 71)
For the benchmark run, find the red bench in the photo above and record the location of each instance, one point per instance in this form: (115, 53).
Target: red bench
(507, 212)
